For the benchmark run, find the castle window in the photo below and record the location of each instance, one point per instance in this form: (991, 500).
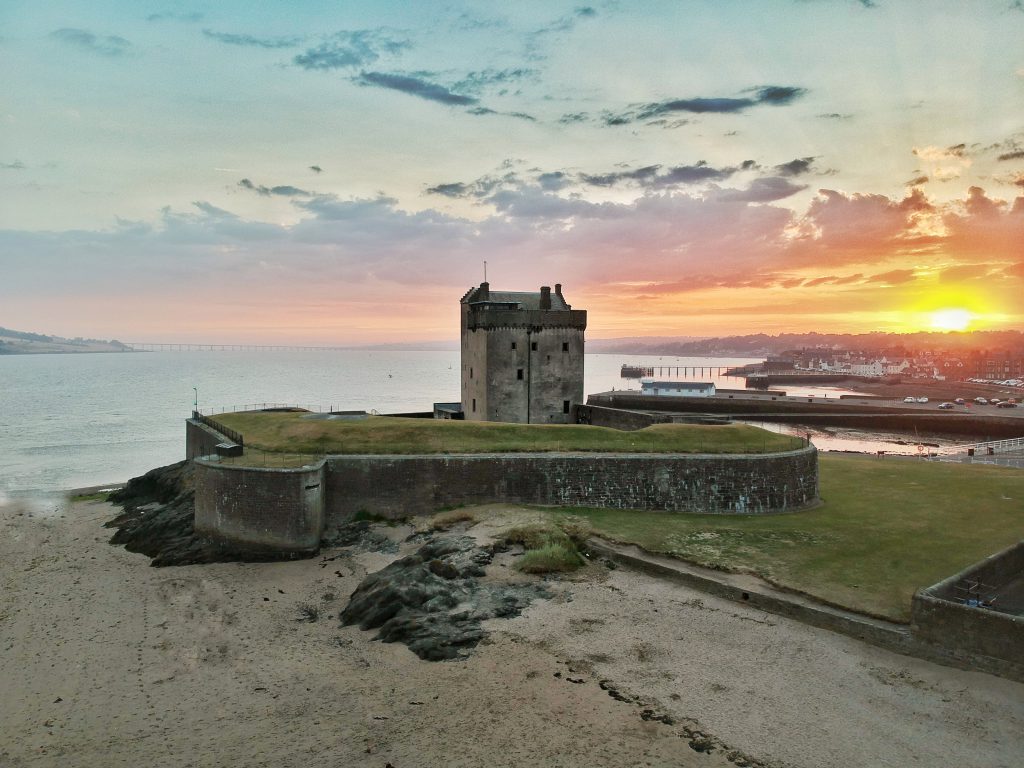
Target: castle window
(513, 345)
(549, 358)
(471, 373)
(565, 406)
(565, 346)
(474, 405)
(519, 374)
(533, 346)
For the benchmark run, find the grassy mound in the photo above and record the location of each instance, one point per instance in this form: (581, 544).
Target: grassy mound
(297, 433)
(549, 549)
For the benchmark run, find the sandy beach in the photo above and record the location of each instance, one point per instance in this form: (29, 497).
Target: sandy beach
(105, 661)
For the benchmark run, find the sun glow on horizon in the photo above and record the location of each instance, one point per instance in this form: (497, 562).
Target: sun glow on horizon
(951, 319)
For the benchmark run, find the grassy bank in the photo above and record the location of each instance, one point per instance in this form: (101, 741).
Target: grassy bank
(886, 527)
(295, 433)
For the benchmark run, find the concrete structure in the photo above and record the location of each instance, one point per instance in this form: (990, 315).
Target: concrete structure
(677, 388)
(977, 612)
(522, 356)
(256, 509)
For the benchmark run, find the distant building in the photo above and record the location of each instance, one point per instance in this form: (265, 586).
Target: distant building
(677, 388)
(522, 356)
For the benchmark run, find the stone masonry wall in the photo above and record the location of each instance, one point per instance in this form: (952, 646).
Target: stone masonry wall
(260, 509)
(399, 486)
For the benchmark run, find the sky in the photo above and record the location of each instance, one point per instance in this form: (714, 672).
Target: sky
(313, 172)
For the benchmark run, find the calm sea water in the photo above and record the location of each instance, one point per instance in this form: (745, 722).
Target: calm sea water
(71, 421)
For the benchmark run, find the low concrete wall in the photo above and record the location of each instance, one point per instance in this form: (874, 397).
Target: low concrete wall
(260, 509)
(616, 418)
(938, 617)
(400, 486)
(867, 414)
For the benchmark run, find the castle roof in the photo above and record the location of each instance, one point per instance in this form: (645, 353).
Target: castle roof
(525, 300)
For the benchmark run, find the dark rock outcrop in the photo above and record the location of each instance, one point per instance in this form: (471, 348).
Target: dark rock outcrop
(433, 601)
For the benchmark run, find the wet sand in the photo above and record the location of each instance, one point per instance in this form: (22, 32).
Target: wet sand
(108, 662)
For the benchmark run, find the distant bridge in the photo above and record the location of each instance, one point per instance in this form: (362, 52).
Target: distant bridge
(148, 346)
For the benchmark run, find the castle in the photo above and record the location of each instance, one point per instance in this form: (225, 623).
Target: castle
(522, 356)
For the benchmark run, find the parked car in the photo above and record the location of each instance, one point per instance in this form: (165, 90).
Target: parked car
(922, 399)
(909, 399)
(981, 401)
(959, 401)
(1006, 404)
(946, 406)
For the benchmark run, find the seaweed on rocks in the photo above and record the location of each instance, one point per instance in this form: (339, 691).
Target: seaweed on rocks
(433, 601)
(158, 521)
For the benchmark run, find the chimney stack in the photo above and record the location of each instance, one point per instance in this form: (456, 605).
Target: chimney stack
(545, 297)
(484, 292)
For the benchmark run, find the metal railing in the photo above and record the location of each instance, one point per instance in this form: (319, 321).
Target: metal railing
(236, 437)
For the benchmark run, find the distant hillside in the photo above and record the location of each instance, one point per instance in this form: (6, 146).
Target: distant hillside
(762, 345)
(26, 343)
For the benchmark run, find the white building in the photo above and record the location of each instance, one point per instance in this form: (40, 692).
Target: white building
(874, 368)
(677, 388)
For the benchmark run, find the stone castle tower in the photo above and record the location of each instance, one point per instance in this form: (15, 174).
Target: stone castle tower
(522, 356)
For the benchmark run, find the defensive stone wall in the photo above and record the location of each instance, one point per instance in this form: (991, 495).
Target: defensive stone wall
(260, 509)
(939, 616)
(399, 486)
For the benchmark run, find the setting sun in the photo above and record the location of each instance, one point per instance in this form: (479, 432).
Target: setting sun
(951, 319)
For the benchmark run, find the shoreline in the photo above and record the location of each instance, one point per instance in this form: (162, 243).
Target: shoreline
(109, 661)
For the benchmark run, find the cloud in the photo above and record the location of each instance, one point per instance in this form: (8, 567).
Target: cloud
(316, 169)
(841, 228)
(568, 22)
(453, 189)
(350, 49)
(764, 190)
(772, 95)
(281, 191)
(479, 111)
(366, 251)
(917, 181)
(948, 163)
(796, 167)
(414, 86)
(249, 41)
(893, 277)
(476, 81)
(105, 45)
(835, 116)
(652, 176)
(16, 165)
(553, 181)
(1017, 154)
(175, 16)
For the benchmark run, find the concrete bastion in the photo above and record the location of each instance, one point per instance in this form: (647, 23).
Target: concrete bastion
(288, 509)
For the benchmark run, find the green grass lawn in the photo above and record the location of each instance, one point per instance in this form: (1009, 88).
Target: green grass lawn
(290, 433)
(887, 527)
